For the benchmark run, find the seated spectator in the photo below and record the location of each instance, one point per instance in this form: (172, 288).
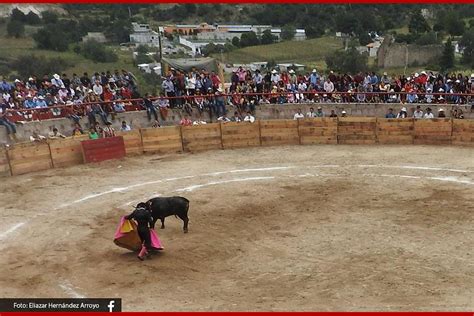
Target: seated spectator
(93, 133)
(418, 114)
(36, 137)
(457, 114)
(333, 114)
(199, 122)
(311, 113)
(119, 106)
(163, 105)
(390, 114)
(319, 112)
(55, 134)
(155, 124)
(441, 113)
(428, 114)
(236, 117)
(403, 113)
(185, 121)
(298, 115)
(108, 130)
(223, 119)
(343, 113)
(249, 118)
(125, 127)
(77, 131)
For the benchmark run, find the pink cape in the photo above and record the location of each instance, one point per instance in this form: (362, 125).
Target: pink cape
(126, 236)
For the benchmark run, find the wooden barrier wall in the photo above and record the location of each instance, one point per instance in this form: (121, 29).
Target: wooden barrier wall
(133, 142)
(102, 149)
(463, 132)
(238, 135)
(356, 130)
(163, 140)
(28, 157)
(202, 137)
(318, 131)
(4, 165)
(279, 132)
(433, 132)
(395, 131)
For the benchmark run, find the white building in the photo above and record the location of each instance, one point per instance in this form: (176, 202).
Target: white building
(144, 35)
(196, 45)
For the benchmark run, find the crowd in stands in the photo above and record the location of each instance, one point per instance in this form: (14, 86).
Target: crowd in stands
(103, 95)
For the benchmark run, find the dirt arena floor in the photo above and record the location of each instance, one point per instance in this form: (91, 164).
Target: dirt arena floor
(321, 228)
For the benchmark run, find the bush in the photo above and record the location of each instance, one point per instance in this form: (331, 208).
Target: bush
(287, 33)
(15, 28)
(350, 61)
(50, 17)
(32, 18)
(97, 52)
(49, 38)
(143, 59)
(428, 39)
(28, 65)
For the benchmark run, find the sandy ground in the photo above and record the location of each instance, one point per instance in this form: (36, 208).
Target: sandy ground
(322, 228)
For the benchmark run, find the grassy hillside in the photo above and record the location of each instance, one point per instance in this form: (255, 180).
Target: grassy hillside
(310, 52)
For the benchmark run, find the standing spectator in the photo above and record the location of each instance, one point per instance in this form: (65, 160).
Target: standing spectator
(333, 114)
(163, 105)
(343, 113)
(150, 108)
(11, 128)
(168, 88)
(441, 113)
(319, 112)
(220, 103)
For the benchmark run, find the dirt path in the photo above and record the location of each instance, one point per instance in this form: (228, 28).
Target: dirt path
(291, 228)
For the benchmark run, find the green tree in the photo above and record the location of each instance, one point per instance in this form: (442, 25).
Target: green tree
(142, 49)
(18, 15)
(268, 38)
(350, 61)
(97, 52)
(287, 33)
(32, 18)
(52, 38)
(314, 31)
(49, 17)
(418, 23)
(15, 28)
(28, 65)
(249, 39)
(143, 59)
(236, 41)
(447, 59)
(467, 45)
(454, 25)
(428, 39)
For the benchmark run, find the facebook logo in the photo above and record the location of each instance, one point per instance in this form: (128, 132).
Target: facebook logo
(111, 306)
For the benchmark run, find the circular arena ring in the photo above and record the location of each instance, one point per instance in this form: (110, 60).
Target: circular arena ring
(333, 227)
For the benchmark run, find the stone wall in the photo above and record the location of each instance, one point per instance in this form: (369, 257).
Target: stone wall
(138, 119)
(400, 54)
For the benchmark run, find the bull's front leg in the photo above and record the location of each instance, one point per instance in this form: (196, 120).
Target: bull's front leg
(162, 222)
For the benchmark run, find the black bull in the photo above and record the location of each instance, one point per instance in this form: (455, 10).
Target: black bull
(162, 207)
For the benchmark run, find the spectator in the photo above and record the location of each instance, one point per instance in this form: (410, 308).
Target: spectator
(319, 112)
(125, 127)
(249, 117)
(156, 124)
(390, 114)
(149, 107)
(298, 115)
(77, 131)
(185, 121)
(428, 114)
(223, 119)
(343, 113)
(108, 130)
(333, 114)
(418, 114)
(311, 113)
(403, 113)
(55, 134)
(441, 113)
(37, 138)
(93, 133)
(236, 117)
